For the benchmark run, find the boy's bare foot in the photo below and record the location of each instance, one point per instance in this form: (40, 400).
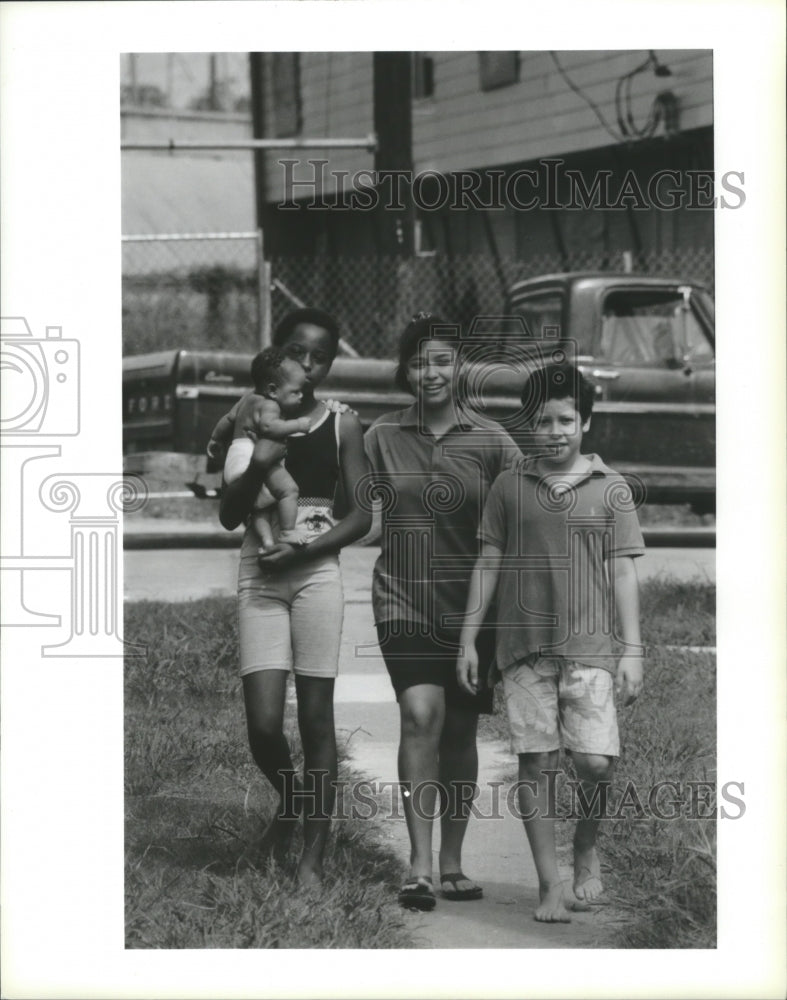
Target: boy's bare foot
(552, 909)
(587, 874)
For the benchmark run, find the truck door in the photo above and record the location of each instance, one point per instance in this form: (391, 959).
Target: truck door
(649, 347)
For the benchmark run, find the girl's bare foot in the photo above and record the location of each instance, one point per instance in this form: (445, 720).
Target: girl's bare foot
(307, 876)
(587, 874)
(277, 838)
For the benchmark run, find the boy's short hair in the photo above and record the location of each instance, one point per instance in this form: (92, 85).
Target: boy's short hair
(423, 326)
(314, 317)
(266, 368)
(557, 381)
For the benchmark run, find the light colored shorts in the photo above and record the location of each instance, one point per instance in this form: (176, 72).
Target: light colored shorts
(554, 697)
(291, 620)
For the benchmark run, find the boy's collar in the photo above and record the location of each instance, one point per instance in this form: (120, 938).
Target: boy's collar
(527, 467)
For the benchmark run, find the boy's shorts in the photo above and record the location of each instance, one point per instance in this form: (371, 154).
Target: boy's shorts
(552, 697)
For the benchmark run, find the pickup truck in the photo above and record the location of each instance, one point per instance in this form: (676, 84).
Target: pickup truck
(645, 343)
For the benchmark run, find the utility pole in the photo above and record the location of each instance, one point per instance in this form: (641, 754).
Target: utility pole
(264, 219)
(257, 92)
(132, 65)
(212, 94)
(393, 123)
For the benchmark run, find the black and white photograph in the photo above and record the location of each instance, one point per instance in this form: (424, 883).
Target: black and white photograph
(424, 593)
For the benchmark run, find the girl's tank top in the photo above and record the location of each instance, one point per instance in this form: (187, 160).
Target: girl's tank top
(313, 461)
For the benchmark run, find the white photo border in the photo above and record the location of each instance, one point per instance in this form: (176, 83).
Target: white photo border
(62, 839)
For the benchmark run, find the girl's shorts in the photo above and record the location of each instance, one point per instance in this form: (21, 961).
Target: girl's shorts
(291, 620)
(553, 697)
(429, 657)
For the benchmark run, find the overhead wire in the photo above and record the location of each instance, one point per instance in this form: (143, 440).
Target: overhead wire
(627, 127)
(594, 107)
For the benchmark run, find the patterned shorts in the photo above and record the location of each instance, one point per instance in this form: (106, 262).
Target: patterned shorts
(554, 697)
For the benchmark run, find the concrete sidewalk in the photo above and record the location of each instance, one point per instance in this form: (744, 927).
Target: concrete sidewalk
(186, 573)
(496, 853)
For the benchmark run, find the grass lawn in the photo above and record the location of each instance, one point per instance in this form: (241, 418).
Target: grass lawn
(196, 806)
(660, 874)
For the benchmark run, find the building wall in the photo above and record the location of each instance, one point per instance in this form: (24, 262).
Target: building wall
(185, 192)
(462, 127)
(336, 102)
(185, 96)
(459, 127)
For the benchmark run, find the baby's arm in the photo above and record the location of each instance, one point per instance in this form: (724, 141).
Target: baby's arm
(270, 424)
(630, 667)
(222, 433)
(483, 584)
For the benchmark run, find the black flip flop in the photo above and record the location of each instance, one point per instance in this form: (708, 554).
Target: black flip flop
(418, 894)
(459, 895)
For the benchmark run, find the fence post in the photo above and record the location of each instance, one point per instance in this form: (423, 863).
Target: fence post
(263, 295)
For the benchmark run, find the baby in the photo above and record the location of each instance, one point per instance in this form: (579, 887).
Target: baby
(266, 413)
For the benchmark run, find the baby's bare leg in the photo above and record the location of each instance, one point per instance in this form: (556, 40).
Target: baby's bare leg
(285, 490)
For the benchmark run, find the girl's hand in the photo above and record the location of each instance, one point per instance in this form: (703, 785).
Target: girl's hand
(280, 557)
(215, 449)
(334, 406)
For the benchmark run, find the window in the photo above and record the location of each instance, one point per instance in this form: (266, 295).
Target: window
(698, 347)
(143, 95)
(287, 120)
(423, 75)
(498, 69)
(543, 315)
(641, 328)
(217, 82)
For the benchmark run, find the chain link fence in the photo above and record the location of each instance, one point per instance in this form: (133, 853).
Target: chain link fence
(203, 291)
(196, 291)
